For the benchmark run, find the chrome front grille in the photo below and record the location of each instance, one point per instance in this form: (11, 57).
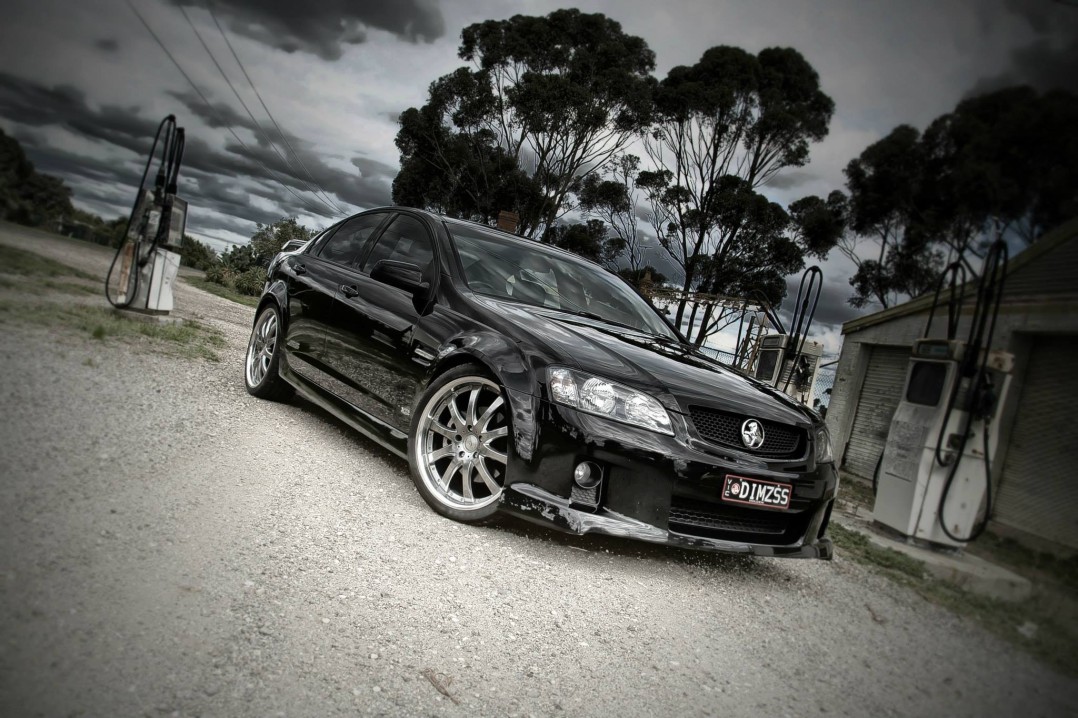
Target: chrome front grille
(724, 428)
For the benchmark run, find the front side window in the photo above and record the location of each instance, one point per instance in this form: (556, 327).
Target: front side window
(348, 243)
(406, 240)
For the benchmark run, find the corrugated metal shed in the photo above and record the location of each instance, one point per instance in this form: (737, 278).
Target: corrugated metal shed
(1038, 491)
(880, 392)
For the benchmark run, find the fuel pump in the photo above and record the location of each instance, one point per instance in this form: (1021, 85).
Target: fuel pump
(934, 477)
(146, 263)
(788, 361)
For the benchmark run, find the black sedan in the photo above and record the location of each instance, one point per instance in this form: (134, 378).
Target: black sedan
(516, 377)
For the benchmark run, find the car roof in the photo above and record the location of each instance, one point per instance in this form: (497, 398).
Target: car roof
(494, 232)
(509, 237)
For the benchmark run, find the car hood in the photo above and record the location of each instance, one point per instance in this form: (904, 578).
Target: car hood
(649, 363)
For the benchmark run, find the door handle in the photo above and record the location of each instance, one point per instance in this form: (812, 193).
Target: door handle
(349, 290)
(299, 268)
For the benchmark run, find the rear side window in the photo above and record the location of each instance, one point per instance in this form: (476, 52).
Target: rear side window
(351, 239)
(406, 240)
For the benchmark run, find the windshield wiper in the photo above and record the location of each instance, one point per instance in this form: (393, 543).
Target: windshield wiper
(592, 315)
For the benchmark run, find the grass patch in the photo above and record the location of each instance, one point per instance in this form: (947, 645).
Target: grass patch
(74, 286)
(29, 264)
(886, 560)
(1036, 565)
(856, 491)
(189, 339)
(1040, 624)
(222, 291)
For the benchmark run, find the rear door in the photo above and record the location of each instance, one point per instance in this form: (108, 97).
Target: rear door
(370, 342)
(313, 278)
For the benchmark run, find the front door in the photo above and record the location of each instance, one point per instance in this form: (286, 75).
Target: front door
(371, 339)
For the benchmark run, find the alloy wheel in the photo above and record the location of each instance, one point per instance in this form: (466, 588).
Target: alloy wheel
(261, 347)
(462, 443)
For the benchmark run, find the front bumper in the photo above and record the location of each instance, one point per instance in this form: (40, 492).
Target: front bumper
(664, 489)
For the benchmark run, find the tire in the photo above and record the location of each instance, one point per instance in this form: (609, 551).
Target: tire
(260, 366)
(459, 445)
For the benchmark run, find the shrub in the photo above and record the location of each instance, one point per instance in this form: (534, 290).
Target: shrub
(220, 274)
(251, 281)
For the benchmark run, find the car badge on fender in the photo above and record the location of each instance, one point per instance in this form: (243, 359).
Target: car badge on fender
(752, 434)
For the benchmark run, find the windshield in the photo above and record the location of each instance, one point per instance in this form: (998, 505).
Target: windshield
(529, 273)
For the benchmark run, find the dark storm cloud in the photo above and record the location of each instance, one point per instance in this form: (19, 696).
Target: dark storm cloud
(791, 179)
(1050, 61)
(275, 162)
(833, 308)
(35, 105)
(373, 168)
(323, 28)
(255, 169)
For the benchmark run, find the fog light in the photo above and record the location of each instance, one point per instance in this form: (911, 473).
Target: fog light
(587, 475)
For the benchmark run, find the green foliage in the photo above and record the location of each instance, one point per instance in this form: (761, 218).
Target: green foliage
(251, 282)
(611, 195)
(268, 239)
(1001, 163)
(589, 240)
(196, 254)
(723, 127)
(242, 269)
(27, 196)
(239, 258)
(221, 290)
(549, 99)
(221, 274)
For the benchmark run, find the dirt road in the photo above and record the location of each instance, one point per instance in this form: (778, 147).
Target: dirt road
(170, 545)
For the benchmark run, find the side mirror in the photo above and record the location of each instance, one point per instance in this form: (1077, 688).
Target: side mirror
(402, 275)
(293, 244)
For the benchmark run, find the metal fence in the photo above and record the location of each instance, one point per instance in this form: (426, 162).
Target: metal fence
(821, 390)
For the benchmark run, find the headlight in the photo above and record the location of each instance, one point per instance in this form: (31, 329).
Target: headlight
(823, 446)
(604, 398)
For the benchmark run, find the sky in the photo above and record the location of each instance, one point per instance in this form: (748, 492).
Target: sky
(83, 86)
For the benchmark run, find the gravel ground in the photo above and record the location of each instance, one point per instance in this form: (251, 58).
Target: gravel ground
(170, 545)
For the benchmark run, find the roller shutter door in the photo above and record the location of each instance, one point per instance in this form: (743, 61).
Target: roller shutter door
(1038, 490)
(880, 392)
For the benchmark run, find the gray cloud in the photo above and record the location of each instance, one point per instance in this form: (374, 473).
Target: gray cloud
(1050, 60)
(261, 159)
(323, 28)
(221, 181)
(791, 179)
(833, 308)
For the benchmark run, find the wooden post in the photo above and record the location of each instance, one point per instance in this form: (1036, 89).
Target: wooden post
(508, 221)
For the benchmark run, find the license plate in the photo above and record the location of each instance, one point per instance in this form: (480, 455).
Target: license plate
(756, 492)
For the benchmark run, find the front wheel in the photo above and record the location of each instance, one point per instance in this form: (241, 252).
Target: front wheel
(458, 448)
(263, 357)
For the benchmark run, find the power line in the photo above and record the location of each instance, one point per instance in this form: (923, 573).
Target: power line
(281, 132)
(209, 108)
(258, 127)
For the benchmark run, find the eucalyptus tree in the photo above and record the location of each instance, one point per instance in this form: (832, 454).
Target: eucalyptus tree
(554, 96)
(723, 128)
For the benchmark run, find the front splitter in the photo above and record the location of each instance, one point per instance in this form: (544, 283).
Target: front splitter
(533, 504)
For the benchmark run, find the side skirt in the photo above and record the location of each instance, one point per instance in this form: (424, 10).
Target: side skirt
(304, 376)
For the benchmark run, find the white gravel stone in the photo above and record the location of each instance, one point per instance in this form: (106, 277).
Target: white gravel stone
(237, 492)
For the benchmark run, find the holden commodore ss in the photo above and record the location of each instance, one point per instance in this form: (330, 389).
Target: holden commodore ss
(515, 377)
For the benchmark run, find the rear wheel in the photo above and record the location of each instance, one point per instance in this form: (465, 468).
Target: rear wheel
(459, 445)
(263, 357)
